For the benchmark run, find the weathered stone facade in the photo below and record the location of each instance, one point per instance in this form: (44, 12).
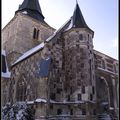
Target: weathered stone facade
(75, 79)
(17, 36)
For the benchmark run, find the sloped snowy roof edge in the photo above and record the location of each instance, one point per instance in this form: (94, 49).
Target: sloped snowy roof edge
(3, 52)
(6, 75)
(29, 52)
(40, 100)
(57, 31)
(71, 102)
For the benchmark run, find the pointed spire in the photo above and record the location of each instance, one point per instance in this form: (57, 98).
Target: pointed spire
(78, 19)
(31, 8)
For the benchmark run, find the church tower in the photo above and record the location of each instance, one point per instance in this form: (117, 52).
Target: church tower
(26, 30)
(54, 71)
(79, 65)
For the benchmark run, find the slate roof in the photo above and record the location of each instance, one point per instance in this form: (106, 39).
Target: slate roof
(31, 8)
(77, 20)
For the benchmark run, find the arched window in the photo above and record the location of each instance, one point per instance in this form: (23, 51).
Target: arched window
(21, 89)
(81, 37)
(103, 63)
(3, 64)
(35, 33)
(115, 70)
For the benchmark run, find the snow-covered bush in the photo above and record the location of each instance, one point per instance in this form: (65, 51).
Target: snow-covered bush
(17, 111)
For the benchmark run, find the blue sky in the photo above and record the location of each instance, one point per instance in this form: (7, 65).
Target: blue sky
(100, 15)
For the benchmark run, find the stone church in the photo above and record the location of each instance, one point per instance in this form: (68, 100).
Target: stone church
(58, 72)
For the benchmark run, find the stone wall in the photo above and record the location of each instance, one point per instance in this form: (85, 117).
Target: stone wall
(78, 54)
(37, 86)
(4, 91)
(70, 59)
(17, 36)
(69, 90)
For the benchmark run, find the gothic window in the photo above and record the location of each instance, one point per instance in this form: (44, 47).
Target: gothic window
(91, 97)
(53, 96)
(93, 90)
(35, 33)
(71, 112)
(79, 97)
(103, 64)
(21, 89)
(54, 85)
(94, 112)
(3, 64)
(68, 97)
(88, 37)
(88, 47)
(51, 106)
(90, 51)
(83, 89)
(82, 76)
(81, 37)
(59, 111)
(115, 68)
(79, 82)
(77, 46)
(83, 112)
(59, 90)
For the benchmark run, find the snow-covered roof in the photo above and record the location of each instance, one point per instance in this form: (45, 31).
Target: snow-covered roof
(29, 52)
(70, 102)
(57, 31)
(3, 52)
(70, 25)
(30, 102)
(5, 72)
(40, 100)
(52, 36)
(6, 75)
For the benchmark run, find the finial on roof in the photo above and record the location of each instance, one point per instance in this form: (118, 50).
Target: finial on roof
(78, 19)
(76, 2)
